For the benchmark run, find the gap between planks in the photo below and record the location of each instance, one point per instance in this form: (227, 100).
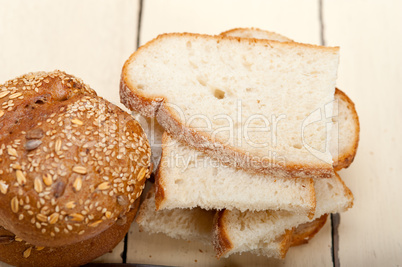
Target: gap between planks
(137, 45)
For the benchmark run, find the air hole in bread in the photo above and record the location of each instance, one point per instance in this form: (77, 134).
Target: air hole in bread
(219, 93)
(140, 86)
(188, 44)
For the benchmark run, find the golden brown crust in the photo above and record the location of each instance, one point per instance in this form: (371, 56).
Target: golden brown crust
(345, 159)
(13, 252)
(221, 241)
(71, 162)
(306, 231)
(250, 31)
(147, 105)
(286, 242)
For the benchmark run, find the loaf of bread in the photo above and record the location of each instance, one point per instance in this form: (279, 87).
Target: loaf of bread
(238, 84)
(71, 163)
(15, 251)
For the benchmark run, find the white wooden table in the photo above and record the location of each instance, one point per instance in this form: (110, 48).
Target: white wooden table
(91, 39)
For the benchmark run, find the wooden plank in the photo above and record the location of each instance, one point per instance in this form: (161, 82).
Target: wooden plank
(370, 36)
(89, 39)
(295, 19)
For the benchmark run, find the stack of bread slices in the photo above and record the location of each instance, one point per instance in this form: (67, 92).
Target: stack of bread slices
(253, 134)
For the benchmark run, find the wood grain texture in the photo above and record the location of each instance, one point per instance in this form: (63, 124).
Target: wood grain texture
(370, 36)
(297, 20)
(89, 39)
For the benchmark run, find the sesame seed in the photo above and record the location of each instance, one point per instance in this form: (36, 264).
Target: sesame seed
(58, 145)
(27, 252)
(79, 169)
(81, 232)
(39, 248)
(21, 177)
(14, 204)
(1, 113)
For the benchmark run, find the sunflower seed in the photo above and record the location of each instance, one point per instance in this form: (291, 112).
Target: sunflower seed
(59, 188)
(32, 144)
(35, 134)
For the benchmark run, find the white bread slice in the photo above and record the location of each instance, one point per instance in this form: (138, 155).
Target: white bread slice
(187, 178)
(256, 33)
(236, 232)
(345, 134)
(187, 224)
(198, 86)
(345, 137)
(196, 225)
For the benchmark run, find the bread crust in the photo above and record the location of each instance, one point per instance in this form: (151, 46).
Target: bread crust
(70, 255)
(345, 159)
(250, 31)
(64, 178)
(220, 238)
(158, 106)
(306, 231)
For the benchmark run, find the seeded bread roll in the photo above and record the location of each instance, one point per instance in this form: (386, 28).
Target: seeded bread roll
(17, 252)
(71, 163)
